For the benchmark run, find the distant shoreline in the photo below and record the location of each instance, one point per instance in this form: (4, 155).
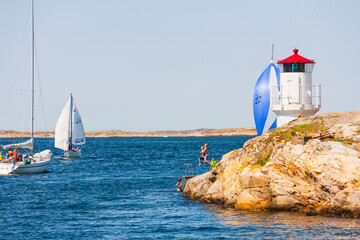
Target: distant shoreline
(225, 132)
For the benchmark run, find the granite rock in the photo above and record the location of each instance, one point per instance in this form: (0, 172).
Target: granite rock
(321, 175)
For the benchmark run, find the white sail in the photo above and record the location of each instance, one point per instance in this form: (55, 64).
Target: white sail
(271, 116)
(62, 128)
(78, 133)
(28, 144)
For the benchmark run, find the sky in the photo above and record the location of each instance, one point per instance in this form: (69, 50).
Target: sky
(141, 65)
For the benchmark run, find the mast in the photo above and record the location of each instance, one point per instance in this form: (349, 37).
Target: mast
(71, 112)
(32, 67)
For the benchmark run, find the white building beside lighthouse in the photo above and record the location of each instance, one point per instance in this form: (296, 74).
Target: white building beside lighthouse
(296, 93)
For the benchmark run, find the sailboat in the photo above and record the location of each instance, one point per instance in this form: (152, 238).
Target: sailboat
(69, 130)
(265, 118)
(28, 162)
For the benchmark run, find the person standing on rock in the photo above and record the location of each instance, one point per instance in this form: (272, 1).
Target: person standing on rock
(202, 155)
(213, 163)
(206, 153)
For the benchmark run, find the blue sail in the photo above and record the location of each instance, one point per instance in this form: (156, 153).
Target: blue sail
(265, 118)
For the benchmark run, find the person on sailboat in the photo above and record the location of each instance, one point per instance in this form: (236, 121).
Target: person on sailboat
(70, 147)
(10, 153)
(15, 154)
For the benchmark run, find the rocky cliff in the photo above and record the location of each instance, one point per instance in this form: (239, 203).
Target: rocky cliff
(311, 165)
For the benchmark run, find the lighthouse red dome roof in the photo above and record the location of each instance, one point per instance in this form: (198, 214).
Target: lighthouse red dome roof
(296, 58)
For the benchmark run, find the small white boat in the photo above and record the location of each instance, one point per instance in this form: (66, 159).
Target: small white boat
(72, 154)
(22, 168)
(69, 130)
(30, 163)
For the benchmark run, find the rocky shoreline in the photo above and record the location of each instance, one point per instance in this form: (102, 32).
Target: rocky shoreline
(245, 131)
(310, 165)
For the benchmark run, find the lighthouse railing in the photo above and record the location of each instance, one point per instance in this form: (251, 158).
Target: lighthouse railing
(317, 97)
(304, 95)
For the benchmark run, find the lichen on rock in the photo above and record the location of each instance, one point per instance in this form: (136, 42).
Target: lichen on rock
(271, 172)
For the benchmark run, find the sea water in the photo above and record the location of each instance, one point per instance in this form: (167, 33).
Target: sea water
(124, 188)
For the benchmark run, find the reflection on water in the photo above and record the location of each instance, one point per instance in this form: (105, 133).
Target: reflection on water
(291, 224)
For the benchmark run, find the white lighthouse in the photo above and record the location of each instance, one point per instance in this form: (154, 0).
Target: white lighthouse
(296, 94)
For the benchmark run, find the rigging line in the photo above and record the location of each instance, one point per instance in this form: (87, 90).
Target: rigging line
(20, 125)
(22, 53)
(41, 123)
(32, 66)
(20, 113)
(17, 74)
(41, 105)
(37, 68)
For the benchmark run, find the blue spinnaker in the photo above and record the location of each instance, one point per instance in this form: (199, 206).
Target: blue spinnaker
(265, 118)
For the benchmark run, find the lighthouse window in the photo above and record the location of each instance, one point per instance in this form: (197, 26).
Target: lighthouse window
(286, 67)
(298, 67)
(309, 67)
(294, 67)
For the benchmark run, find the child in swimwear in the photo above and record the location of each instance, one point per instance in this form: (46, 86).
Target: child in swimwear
(179, 184)
(213, 163)
(202, 155)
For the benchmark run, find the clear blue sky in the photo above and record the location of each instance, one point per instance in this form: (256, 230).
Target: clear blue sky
(159, 65)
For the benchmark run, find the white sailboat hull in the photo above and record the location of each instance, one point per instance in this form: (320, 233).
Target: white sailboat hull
(7, 168)
(72, 154)
(32, 168)
(21, 168)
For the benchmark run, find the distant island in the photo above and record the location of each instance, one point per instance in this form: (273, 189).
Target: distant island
(245, 131)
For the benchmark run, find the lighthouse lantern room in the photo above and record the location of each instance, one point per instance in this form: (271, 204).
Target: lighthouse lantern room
(296, 94)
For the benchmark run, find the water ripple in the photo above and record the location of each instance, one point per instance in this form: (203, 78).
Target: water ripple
(124, 188)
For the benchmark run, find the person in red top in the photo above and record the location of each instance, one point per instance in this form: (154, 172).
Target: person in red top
(15, 154)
